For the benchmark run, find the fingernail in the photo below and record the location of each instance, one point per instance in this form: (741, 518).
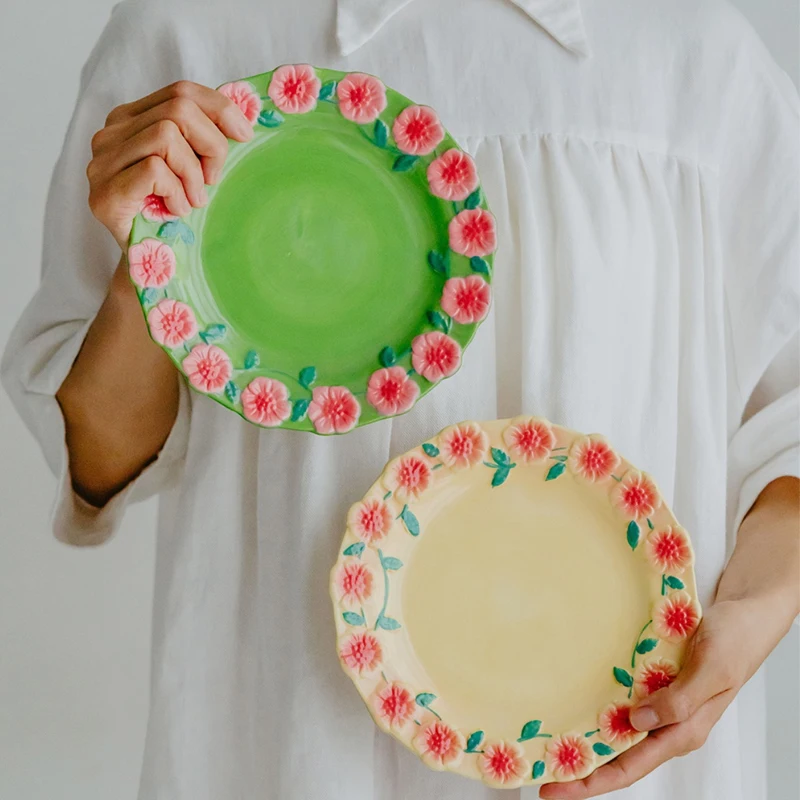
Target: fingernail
(202, 196)
(644, 718)
(245, 130)
(213, 176)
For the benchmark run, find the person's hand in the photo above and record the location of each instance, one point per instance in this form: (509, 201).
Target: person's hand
(732, 641)
(170, 143)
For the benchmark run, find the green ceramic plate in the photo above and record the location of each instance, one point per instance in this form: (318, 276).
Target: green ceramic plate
(341, 266)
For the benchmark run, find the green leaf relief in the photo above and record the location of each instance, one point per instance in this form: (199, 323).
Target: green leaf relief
(500, 457)
(674, 583)
(410, 521)
(404, 163)
(355, 549)
(251, 360)
(559, 459)
(530, 730)
(213, 333)
(437, 262)
(646, 645)
(474, 200)
(479, 264)
(602, 749)
(500, 476)
(169, 230)
(388, 624)
(430, 450)
(633, 534)
(270, 119)
(474, 741)
(231, 391)
(440, 321)
(538, 770)
(623, 677)
(307, 377)
(387, 357)
(186, 233)
(351, 618)
(556, 470)
(328, 90)
(390, 562)
(299, 409)
(149, 295)
(381, 133)
(424, 699)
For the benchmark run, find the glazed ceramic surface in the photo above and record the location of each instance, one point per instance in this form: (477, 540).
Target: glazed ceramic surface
(341, 266)
(505, 592)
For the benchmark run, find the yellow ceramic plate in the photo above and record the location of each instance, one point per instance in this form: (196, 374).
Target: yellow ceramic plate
(504, 592)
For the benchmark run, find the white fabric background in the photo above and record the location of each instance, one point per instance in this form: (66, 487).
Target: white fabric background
(74, 625)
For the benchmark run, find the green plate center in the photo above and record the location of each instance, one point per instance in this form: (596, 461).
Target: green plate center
(315, 250)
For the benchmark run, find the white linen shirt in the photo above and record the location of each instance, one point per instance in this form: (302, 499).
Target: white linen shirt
(642, 161)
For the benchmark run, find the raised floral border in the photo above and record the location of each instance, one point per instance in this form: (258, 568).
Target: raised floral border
(414, 139)
(385, 522)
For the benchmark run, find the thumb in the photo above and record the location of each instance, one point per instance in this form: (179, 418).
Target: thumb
(701, 678)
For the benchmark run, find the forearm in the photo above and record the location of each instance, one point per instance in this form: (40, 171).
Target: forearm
(765, 565)
(119, 400)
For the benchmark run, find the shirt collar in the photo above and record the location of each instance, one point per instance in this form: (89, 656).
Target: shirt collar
(358, 21)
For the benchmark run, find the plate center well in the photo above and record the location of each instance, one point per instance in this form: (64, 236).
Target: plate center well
(315, 251)
(518, 601)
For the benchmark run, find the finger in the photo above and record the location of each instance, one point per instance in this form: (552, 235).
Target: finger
(703, 676)
(643, 758)
(122, 196)
(203, 136)
(165, 140)
(222, 111)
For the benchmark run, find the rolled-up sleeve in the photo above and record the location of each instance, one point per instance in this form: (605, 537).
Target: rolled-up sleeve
(78, 259)
(761, 248)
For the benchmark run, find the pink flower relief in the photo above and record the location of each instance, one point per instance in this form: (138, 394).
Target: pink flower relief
(370, 520)
(391, 391)
(472, 232)
(675, 617)
(439, 745)
(333, 409)
(151, 263)
(294, 88)
(592, 458)
(409, 476)
(503, 764)
(435, 355)
(208, 368)
(354, 582)
(654, 675)
(394, 706)
(466, 300)
(266, 402)
(245, 97)
(530, 439)
(361, 653)
(417, 130)
(362, 97)
(453, 175)
(669, 550)
(171, 323)
(636, 495)
(463, 445)
(615, 723)
(154, 209)
(570, 757)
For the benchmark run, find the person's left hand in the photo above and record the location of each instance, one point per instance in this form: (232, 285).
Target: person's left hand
(731, 643)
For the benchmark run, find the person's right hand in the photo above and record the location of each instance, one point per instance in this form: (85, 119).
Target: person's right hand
(170, 143)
